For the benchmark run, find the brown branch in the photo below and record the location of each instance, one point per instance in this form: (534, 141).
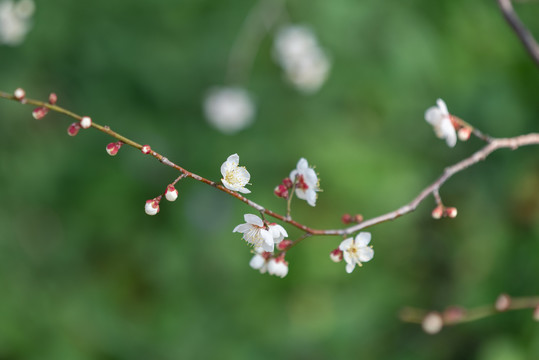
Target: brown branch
(522, 32)
(493, 145)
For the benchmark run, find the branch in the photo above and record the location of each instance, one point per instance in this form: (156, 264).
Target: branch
(494, 144)
(433, 321)
(522, 32)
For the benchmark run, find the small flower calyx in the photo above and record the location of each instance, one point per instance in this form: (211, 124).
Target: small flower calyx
(235, 177)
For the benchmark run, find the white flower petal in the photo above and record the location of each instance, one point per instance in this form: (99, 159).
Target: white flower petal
(433, 115)
(241, 228)
(257, 262)
(345, 244)
(442, 106)
(302, 164)
(253, 219)
(233, 159)
(363, 238)
(449, 133)
(311, 197)
(350, 267)
(365, 254)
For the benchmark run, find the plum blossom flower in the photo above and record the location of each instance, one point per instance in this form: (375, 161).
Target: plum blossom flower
(305, 64)
(355, 251)
(277, 232)
(255, 233)
(438, 116)
(235, 177)
(306, 180)
(278, 267)
(229, 109)
(15, 21)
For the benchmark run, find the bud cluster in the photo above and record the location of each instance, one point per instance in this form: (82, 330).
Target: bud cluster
(282, 189)
(441, 211)
(348, 219)
(40, 112)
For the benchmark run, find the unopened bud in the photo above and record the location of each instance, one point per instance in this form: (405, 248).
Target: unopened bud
(503, 302)
(281, 191)
(85, 122)
(171, 194)
(146, 149)
(464, 133)
(278, 267)
(151, 207)
(453, 314)
(53, 98)
(432, 323)
(287, 183)
(19, 94)
(346, 219)
(358, 218)
(40, 112)
(451, 212)
(336, 255)
(113, 148)
(73, 129)
(438, 212)
(283, 245)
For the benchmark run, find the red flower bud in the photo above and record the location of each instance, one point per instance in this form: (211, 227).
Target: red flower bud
(73, 129)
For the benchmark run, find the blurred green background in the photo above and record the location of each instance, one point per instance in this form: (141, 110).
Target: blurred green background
(85, 274)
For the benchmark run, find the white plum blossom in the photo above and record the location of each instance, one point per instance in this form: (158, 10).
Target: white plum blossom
(278, 267)
(229, 109)
(235, 177)
(438, 116)
(306, 180)
(15, 21)
(355, 251)
(305, 64)
(255, 233)
(277, 232)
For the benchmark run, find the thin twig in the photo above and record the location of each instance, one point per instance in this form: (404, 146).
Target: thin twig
(520, 29)
(494, 144)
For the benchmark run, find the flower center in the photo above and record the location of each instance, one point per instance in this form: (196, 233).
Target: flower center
(234, 177)
(301, 183)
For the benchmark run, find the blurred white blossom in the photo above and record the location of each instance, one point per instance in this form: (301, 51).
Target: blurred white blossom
(304, 62)
(438, 117)
(229, 109)
(15, 21)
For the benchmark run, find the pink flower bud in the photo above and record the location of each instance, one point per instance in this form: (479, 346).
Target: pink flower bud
(19, 94)
(40, 112)
(358, 218)
(73, 129)
(503, 302)
(336, 255)
(113, 148)
(281, 191)
(53, 98)
(146, 149)
(464, 133)
(453, 314)
(438, 212)
(283, 245)
(151, 207)
(85, 122)
(432, 323)
(171, 194)
(346, 219)
(451, 212)
(287, 183)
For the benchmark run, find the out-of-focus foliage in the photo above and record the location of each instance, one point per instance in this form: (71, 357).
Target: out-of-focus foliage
(85, 274)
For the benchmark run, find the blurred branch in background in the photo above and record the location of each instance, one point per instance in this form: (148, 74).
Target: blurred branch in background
(433, 321)
(520, 29)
